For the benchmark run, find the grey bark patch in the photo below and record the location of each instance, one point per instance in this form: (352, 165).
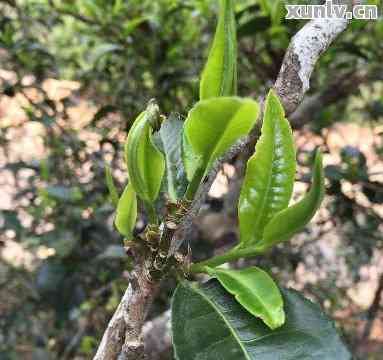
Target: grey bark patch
(289, 85)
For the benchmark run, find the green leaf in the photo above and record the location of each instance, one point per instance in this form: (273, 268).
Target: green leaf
(213, 126)
(117, 7)
(269, 178)
(113, 193)
(44, 170)
(219, 77)
(146, 164)
(190, 161)
(208, 323)
(256, 291)
(131, 25)
(293, 219)
(265, 6)
(171, 137)
(102, 50)
(126, 215)
(277, 12)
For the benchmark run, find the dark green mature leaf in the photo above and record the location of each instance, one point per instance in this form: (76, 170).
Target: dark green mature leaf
(207, 323)
(219, 77)
(269, 179)
(213, 126)
(256, 291)
(113, 193)
(293, 219)
(146, 164)
(171, 136)
(126, 214)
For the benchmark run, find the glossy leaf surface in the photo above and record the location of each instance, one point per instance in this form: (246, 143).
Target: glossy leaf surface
(190, 160)
(171, 137)
(219, 77)
(256, 291)
(113, 193)
(269, 179)
(126, 214)
(146, 164)
(208, 323)
(293, 219)
(213, 126)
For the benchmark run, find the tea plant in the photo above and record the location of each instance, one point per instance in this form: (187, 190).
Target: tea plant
(237, 314)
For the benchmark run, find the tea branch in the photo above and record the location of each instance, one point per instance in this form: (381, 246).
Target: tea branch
(123, 338)
(303, 53)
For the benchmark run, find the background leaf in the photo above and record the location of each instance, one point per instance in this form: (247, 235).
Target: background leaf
(256, 291)
(270, 173)
(219, 77)
(293, 219)
(112, 252)
(207, 323)
(171, 137)
(62, 193)
(214, 125)
(113, 193)
(126, 214)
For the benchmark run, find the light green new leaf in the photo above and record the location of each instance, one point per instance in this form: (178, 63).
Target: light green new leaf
(256, 291)
(270, 173)
(113, 193)
(265, 6)
(190, 160)
(171, 136)
(277, 12)
(146, 164)
(219, 77)
(126, 214)
(293, 219)
(208, 323)
(213, 126)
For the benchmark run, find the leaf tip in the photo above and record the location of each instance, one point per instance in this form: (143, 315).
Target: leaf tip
(273, 102)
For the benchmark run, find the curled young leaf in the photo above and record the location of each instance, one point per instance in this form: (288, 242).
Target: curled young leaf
(269, 178)
(293, 219)
(212, 127)
(256, 291)
(113, 193)
(146, 164)
(126, 214)
(219, 77)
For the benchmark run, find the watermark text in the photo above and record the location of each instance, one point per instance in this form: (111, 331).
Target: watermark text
(331, 11)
